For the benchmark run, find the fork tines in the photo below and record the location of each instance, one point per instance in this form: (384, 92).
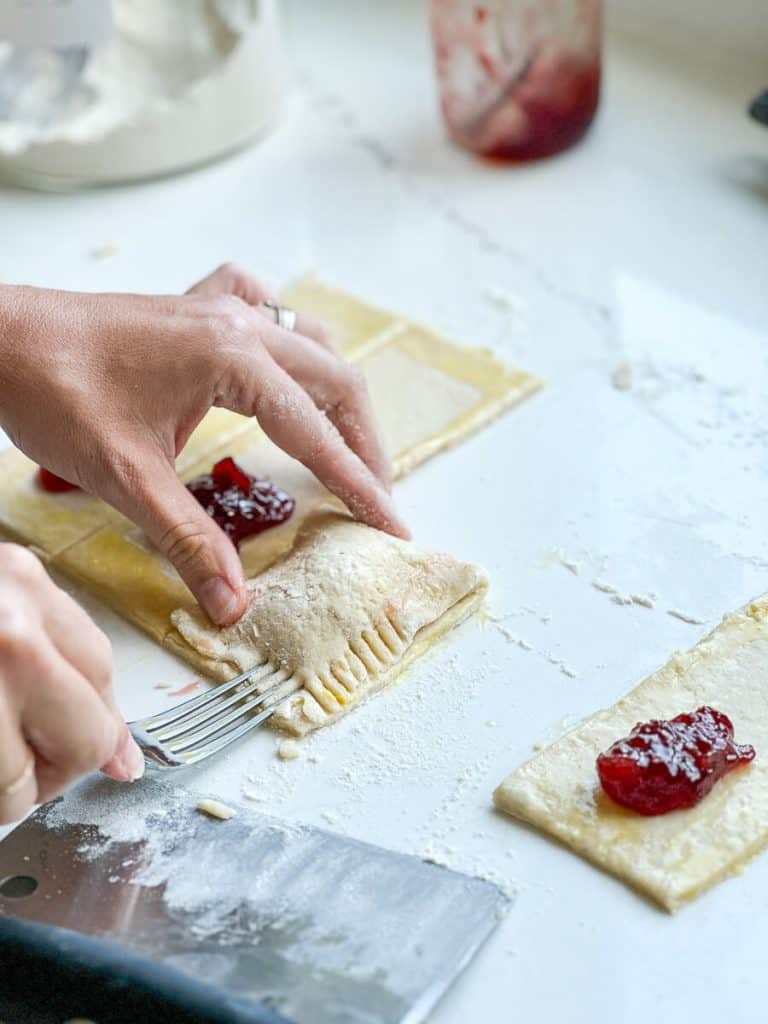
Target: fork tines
(204, 725)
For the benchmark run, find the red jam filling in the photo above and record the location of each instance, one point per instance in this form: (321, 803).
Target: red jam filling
(241, 504)
(52, 483)
(666, 766)
(550, 111)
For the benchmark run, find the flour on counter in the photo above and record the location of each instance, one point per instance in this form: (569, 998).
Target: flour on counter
(622, 377)
(606, 588)
(685, 617)
(252, 794)
(526, 646)
(562, 666)
(643, 600)
(505, 300)
(104, 252)
(288, 750)
(513, 638)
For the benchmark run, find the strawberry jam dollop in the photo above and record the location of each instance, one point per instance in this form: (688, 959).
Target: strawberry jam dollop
(666, 766)
(52, 483)
(242, 505)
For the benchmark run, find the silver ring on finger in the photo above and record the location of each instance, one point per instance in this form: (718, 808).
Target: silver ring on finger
(284, 316)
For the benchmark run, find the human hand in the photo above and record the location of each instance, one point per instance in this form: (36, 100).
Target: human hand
(58, 716)
(105, 390)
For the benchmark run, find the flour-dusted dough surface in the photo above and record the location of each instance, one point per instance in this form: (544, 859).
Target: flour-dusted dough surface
(336, 620)
(673, 857)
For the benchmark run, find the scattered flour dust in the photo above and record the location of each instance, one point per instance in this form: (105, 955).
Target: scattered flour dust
(685, 617)
(105, 251)
(622, 377)
(605, 588)
(427, 736)
(506, 301)
(141, 813)
(524, 645)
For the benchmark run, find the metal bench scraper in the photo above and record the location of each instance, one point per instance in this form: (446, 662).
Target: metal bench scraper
(317, 927)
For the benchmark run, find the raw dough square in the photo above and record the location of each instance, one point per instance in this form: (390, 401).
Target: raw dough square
(672, 857)
(53, 522)
(352, 320)
(47, 522)
(445, 392)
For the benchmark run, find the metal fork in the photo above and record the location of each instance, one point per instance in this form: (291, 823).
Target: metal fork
(204, 725)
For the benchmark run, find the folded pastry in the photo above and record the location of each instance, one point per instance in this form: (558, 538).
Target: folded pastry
(675, 856)
(337, 619)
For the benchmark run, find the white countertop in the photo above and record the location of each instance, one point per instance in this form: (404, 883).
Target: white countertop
(645, 244)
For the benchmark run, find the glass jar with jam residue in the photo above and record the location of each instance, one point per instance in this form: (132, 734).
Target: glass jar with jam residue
(518, 79)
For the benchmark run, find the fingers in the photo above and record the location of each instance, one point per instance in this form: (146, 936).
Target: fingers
(127, 762)
(339, 390)
(230, 279)
(87, 649)
(256, 386)
(310, 356)
(157, 501)
(18, 784)
(71, 730)
(58, 716)
(77, 637)
(307, 327)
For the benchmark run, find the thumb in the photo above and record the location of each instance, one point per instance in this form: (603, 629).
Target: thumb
(127, 762)
(177, 524)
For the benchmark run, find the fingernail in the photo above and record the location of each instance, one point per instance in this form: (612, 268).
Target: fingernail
(133, 759)
(219, 600)
(127, 763)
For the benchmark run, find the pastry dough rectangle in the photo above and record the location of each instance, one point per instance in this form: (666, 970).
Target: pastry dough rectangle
(48, 522)
(53, 522)
(445, 392)
(672, 857)
(353, 321)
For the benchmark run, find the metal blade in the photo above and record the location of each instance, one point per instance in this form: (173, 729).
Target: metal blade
(321, 928)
